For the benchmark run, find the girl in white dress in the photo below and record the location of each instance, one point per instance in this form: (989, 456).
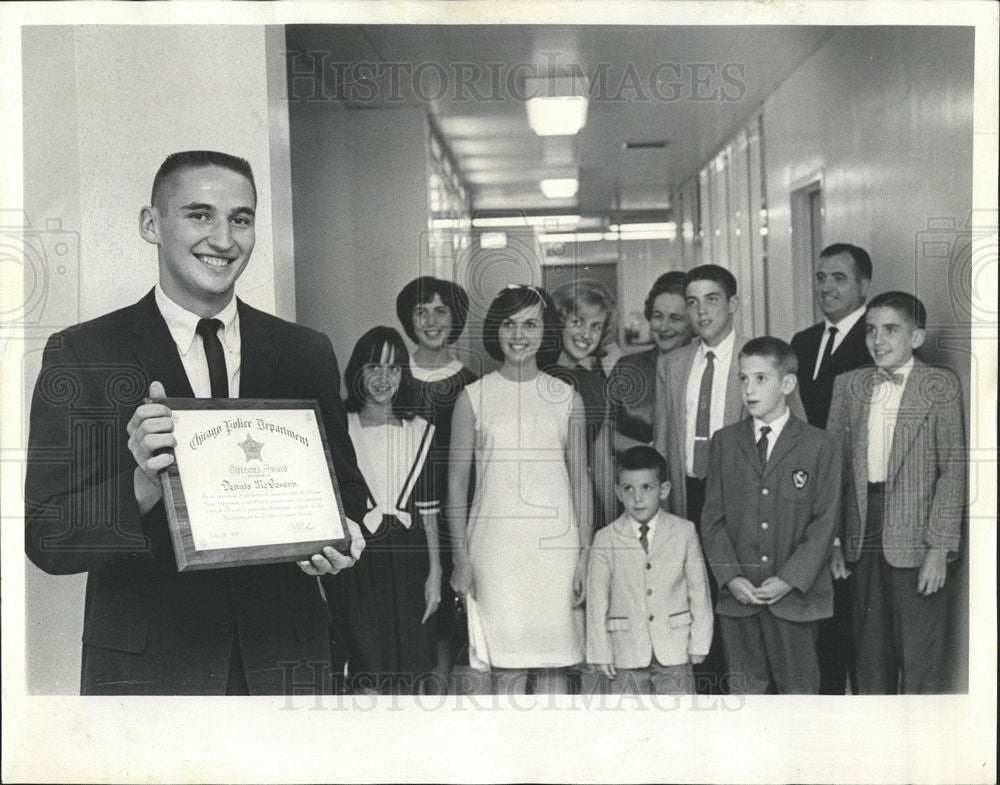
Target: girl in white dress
(521, 555)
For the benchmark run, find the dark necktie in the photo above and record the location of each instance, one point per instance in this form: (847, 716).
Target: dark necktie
(762, 445)
(703, 420)
(643, 539)
(824, 364)
(208, 329)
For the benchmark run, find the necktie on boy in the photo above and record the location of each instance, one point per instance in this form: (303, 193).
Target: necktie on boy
(643, 536)
(762, 445)
(702, 421)
(208, 329)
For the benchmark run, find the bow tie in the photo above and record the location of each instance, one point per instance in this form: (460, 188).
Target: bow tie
(885, 376)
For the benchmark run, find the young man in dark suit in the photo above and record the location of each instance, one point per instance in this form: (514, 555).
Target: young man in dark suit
(93, 497)
(826, 350)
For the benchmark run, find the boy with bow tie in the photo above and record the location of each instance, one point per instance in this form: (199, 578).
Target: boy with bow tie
(901, 428)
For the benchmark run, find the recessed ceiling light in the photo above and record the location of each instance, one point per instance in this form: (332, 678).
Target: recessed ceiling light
(560, 187)
(557, 105)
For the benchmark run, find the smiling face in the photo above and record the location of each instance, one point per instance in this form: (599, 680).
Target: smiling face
(709, 310)
(520, 335)
(203, 225)
(432, 323)
(891, 337)
(839, 290)
(764, 387)
(640, 492)
(668, 322)
(582, 331)
(380, 381)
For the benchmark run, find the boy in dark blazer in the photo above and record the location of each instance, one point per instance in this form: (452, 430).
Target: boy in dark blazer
(649, 614)
(772, 502)
(903, 438)
(92, 492)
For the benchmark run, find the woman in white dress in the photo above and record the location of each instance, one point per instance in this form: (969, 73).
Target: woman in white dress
(520, 557)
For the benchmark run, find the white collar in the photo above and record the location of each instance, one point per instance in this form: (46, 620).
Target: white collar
(182, 323)
(651, 523)
(436, 374)
(776, 425)
(845, 325)
(723, 350)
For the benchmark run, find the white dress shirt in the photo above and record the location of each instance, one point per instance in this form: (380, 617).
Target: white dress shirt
(882, 415)
(776, 425)
(720, 380)
(182, 325)
(844, 326)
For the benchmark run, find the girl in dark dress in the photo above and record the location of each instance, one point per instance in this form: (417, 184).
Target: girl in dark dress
(385, 604)
(432, 313)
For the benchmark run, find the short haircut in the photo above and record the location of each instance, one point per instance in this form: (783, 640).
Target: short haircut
(780, 353)
(196, 159)
(715, 274)
(421, 291)
(638, 458)
(513, 299)
(862, 261)
(368, 349)
(571, 296)
(906, 304)
(668, 283)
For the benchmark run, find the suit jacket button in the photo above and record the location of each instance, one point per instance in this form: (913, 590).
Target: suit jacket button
(765, 492)
(649, 566)
(651, 617)
(649, 591)
(764, 525)
(764, 559)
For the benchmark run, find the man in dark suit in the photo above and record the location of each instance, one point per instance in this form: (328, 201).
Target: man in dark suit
(93, 497)
(826, 350)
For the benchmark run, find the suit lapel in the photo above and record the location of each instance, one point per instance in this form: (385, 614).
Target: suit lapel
(748, 444)
(259, 355)
(154, 348)
(678, 390)
(851, 349)
(914, 407)
(861, 391)
(734, 396)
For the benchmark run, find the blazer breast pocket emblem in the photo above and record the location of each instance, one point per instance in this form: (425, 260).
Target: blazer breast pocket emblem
(800, 478)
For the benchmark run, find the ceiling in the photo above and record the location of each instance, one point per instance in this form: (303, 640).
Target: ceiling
(690, 87)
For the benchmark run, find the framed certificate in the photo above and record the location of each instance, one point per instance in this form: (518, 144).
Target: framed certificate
(252, 483)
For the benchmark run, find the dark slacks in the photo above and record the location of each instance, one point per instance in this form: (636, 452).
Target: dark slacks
(655, 679)
(762, 647)
(834, 647)
(900, 636)
(709, 675)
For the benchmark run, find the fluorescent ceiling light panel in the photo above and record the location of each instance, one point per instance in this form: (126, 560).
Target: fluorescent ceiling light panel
(493, 240)
(530, 220)
(571, 237)
(560, 188)
(557, 105)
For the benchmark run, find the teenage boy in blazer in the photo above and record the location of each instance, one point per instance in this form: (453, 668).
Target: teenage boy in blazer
(771, 508)
(92, 494)
(649, 613)
(902, 432)
(826, 350)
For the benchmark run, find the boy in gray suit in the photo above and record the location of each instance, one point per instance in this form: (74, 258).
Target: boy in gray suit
(772, 501)
(649, 614)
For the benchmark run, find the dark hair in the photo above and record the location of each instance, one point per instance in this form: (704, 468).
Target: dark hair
(513, 299)
(906, 304)
(715, 274)
(421, 291)
(196, 159)
(668, 283)
(862, 261)
(368, 349)
(780, 353)
(641, 457)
